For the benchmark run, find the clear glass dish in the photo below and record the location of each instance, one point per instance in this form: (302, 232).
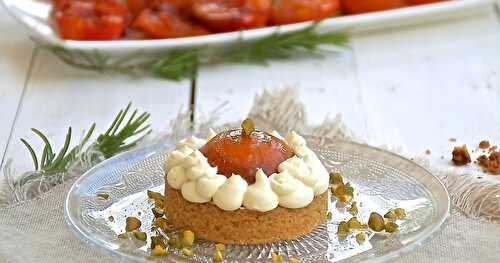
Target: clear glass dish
(381, 180)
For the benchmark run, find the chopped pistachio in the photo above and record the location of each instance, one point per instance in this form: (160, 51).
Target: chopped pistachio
(155, 195)
(276, 258)
(159, 203)
(159, 251)
(187, 252)
(343, 229)
(157, 212)
(345, 198)
(400, 213)
(348, 189)
(391, 227)
(140, 235)
(361, 237)
(217, 257)
(329, 216)
(336, 178)
(187, 238)
(353, 210)
(376, 222)
(248, 126)
(390, 215)
(174, 242)
(353, 223)
(111, 219)
(338, 191)
(161, 223)
(293, 260)
(158, 241)
(123, 236)
(132, 223)
(220, 247)
(103, 196)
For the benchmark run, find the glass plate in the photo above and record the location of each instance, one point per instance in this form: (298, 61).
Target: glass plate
(381, 180)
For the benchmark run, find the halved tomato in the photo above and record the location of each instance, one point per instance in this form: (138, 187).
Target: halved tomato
(293, 11)
(365, 6)
(91, 20)
(231, 15)
(166, 20)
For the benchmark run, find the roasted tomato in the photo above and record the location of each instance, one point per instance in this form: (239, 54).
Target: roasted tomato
(234, 152)
(423, 2)
(165, 20)
(91, 20)
(231, 15)
(365, 6)
(293, 11)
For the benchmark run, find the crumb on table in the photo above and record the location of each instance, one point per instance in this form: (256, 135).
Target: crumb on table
(490, 163)
(461, 155)
(484, 144)
(452, 139)
(428, 152)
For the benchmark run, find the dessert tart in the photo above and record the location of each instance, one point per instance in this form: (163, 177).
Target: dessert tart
(245, 186)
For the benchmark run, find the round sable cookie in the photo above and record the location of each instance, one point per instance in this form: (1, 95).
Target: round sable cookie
(243, 226)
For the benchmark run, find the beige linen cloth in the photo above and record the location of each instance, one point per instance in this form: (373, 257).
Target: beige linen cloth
(35, 230)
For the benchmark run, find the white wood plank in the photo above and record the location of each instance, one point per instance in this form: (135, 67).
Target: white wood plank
(326, 86)
(59, 96)
(423, 85)
(15, 55)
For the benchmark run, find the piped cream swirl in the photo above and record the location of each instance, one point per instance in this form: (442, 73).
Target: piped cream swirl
(298, 180)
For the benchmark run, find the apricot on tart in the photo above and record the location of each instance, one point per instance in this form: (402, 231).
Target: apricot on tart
(236, 152)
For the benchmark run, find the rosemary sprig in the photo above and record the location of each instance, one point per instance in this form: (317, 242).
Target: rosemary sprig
(110, 143)
(182, 64)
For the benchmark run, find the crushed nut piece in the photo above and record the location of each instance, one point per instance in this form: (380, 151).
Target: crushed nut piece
(376, 222)
(484, 144)
(187, 252)
(123, 236)
(158, 241)
(154, 195)
(132, 223)
(461, 155)
(343, 229)
(217, 257)
(353, 223)
(103, 196)
(220, 247)
(400, 212)
(391, 227)
(329, 216)
(361, 237)
(248, 126)
(157, 212)
(275, 258)
(293, 260)
(159, 251)
(390, 215)
(111, 219)
(336, 178)
(140, 235)
(353, 210)
(490, 163)
(187, 238)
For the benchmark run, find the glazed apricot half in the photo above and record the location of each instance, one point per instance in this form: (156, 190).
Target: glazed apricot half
(238, 152)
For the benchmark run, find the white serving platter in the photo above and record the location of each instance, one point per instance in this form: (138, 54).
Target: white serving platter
(35, 16)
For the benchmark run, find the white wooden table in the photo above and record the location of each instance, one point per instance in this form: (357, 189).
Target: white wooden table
(414, 86)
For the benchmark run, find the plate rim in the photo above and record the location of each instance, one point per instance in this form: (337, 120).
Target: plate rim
(151, 150)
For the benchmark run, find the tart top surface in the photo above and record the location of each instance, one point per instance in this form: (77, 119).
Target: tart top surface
(236, 152)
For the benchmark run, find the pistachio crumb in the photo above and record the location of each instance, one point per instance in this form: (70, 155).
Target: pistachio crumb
(329, 216)
(353, 210)
(248, 126)
(187, 252)
(187, 238)
(217, 257)
(103, 196)
(111, 219)
(353, 223)
(123, 236)
(220, 247)
(158, 251)
(361, 237)
(391, 227)
(157, 212)
(343, 229)
(140, 235)
(400, 213)
(276, 258)
(132, 223)
(376, 222)
(174, 242)
(336, 178)
(390, 215)
(154, 195)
